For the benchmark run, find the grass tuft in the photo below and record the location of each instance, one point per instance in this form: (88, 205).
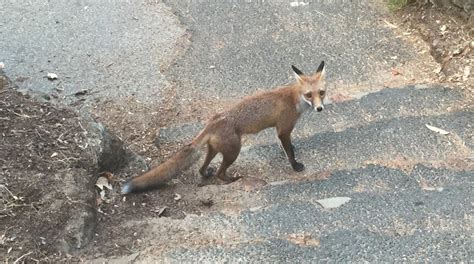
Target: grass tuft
(394, 5)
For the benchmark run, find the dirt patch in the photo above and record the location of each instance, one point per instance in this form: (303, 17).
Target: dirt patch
(126, 225)
(303, 240)
(45, 164)
(449, 33)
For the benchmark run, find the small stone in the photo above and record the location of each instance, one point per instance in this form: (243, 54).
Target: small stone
(457, 51)
(46, 97)
(466, 73)
(333, 202)
(52, 76)
(421, 86)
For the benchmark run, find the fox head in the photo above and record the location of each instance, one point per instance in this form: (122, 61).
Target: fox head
(312, 87)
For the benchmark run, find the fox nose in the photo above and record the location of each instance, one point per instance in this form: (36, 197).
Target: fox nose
(319, 108)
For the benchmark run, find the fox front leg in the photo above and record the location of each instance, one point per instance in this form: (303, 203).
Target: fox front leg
(285, 139)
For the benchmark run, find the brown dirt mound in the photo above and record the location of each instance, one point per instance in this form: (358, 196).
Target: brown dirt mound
(43, 164)
(448, 31)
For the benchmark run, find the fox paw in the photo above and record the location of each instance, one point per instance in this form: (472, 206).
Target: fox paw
(298, 167)
(209, 172)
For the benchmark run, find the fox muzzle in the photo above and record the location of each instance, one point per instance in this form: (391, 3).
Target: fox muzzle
(318, 104)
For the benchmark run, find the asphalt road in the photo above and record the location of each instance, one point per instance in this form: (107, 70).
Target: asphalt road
(111, 49)
(394, 223)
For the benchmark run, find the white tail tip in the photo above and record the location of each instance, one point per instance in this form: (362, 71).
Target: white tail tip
(127, 188)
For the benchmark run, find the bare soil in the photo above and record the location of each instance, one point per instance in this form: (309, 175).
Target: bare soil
(449, 33)
(39, 143)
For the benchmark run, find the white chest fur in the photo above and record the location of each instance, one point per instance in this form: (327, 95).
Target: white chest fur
(303, 105)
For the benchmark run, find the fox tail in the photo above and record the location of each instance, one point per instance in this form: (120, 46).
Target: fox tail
(168, 170)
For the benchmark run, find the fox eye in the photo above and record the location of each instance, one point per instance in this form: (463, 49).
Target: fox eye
(308, 95)
(322, 93)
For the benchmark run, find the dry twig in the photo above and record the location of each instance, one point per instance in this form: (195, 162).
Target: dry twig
(22, 256)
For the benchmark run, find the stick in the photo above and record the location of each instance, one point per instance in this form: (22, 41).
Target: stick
(24, 255)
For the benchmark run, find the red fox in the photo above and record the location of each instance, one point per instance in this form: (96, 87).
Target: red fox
(279, 108)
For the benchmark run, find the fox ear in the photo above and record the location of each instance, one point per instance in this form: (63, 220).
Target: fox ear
(297, 73)
(321, 69)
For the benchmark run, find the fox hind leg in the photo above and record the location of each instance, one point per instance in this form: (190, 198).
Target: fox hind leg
(205, 170)
(230, 151)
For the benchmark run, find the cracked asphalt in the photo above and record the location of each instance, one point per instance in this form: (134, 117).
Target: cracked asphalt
(112, 49)
(377, 225)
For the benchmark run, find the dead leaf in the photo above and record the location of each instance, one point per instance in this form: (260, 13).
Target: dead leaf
(52, 76)
(334, 202)
(255, 209)
(303, 240)
(102, 195)
(438, 70)
(323, 175)
(103, 182)
(207, 203)
(98, 201)
(457, 51)
(54, 154)
(132, 257)
(82, 92)
(396, 72)
(159, 210)
(390, 24)
(337, 98)
(430, 189)
(277, 183)
(466, 73)
(249, 184)
(296, 3)
(437, 130)
(107, 174)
